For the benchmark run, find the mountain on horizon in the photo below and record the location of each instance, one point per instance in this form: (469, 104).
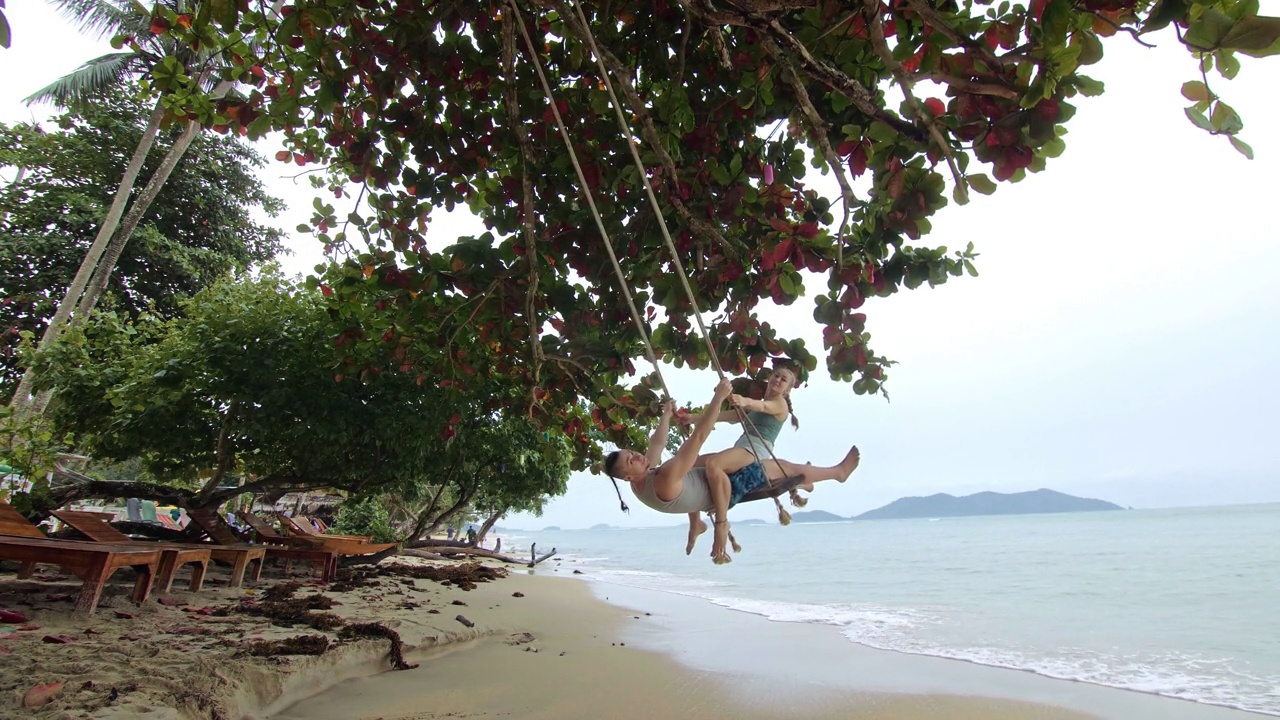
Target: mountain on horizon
(986, 503)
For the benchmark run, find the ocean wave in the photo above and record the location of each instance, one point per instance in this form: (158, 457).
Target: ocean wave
(915, 631)
(1213, 681)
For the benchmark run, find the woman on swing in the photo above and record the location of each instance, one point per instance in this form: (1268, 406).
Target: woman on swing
(689, 484)
(764, 421)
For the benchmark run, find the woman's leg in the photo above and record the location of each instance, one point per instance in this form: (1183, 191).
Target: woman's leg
(718, 468)
(778, 469)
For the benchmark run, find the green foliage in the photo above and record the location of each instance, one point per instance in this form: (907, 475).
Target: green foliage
(29, 445)
(247, 379)
(433, 105)
(1215, 31)
(367, 516)
(200, 227)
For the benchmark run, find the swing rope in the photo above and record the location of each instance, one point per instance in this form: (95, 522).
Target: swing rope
(784, 517)
(632, 144)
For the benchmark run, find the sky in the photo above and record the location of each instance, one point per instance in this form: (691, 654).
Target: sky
(1120, 342)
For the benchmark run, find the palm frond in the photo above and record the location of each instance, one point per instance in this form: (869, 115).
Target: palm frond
(104, 18)
(75, 88)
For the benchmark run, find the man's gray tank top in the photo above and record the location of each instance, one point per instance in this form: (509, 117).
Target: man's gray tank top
(695, 494)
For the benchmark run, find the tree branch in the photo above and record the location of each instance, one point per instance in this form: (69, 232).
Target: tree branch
(876, 25)
(529, 221)
(819, 127)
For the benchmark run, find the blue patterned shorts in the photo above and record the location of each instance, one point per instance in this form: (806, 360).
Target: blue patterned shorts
(749, 478)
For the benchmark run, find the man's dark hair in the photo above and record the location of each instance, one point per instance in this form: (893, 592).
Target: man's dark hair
(611, 464)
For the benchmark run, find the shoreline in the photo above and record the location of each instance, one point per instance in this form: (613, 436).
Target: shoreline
(587, 659)
(538, 646)
(877, 670)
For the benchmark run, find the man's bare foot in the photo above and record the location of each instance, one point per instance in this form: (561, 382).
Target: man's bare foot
(849, 464)
(696, 528)
(719, 539)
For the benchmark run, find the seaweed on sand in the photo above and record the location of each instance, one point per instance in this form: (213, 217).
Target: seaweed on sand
(378, 630)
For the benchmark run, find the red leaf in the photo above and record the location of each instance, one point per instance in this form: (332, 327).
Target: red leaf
(125, 615)
(912, 63)
(1037, 9)
(58, 597)
(858, 160)
(40, 695)
(172, 602)
(782, 251)
(28, 627)
(58, 639)
(12, 616)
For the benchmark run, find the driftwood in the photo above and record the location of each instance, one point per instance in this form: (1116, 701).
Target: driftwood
(533, 555)
(448, 552)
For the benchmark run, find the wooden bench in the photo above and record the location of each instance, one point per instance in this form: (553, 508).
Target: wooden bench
(220, 533)
(93, 563)
(96, 527)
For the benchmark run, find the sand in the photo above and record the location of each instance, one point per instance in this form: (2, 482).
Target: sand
(544, 644)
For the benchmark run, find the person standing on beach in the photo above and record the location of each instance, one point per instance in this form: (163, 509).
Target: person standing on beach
(764, 421)
(684, 484)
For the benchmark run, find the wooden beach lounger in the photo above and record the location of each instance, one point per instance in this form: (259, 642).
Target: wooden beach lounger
(334, 543)
(303, 525)
(93, 563)
(221, 533)
(95, 526)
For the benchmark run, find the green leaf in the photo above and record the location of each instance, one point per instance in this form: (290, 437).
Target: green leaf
(1088, 86)
(1195, 91)
(1163, 13)
(1252, 33)
(981, 183)
(1054, 147)
(1227, 63)
(1208, 32)
(1242, 147)
(1226, 120)
(969, 268)
(1199, 120)
(960, 195)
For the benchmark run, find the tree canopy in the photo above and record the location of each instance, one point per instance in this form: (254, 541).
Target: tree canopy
(201, 227)
(243, 383)
(405, 107)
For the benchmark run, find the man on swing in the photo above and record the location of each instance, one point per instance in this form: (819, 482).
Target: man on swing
(685, 484)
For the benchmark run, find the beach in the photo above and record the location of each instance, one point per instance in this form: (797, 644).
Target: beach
(546, 643)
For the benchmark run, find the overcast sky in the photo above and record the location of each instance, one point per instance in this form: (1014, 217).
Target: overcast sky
(1121, 340)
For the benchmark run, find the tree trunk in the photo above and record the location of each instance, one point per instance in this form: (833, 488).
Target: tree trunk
(109, 224)
(102, 274)
(489, 523)
(106, 263)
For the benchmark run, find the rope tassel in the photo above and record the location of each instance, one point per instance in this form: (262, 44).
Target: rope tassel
(797, 500)
(784, 517)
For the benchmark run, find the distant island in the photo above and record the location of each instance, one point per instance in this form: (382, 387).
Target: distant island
(816, 516)
(984, 503)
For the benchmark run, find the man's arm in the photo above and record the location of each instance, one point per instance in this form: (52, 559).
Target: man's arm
(658, 440)
(687, 455)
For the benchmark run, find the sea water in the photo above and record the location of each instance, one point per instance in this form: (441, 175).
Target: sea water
(1183, 603)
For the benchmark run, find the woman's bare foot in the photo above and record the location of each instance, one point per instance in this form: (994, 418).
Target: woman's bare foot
(720, 539)
(696, 528)
(849, 464)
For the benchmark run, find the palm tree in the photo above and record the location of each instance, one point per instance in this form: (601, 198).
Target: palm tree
(102, 18)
